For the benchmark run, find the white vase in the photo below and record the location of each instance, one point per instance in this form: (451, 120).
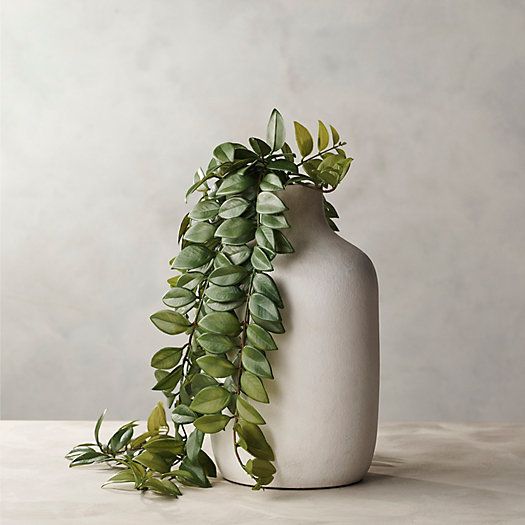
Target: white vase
(322, 416)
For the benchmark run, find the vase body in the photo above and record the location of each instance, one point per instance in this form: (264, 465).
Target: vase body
(322, 416)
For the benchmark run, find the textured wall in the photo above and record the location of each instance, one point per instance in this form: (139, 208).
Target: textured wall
(109, 106)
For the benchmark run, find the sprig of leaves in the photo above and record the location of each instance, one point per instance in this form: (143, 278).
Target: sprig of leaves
(226, 302)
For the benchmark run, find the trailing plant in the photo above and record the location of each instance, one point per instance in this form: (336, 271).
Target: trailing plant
(224, 299)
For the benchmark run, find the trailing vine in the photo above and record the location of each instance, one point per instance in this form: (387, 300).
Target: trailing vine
(224, 298)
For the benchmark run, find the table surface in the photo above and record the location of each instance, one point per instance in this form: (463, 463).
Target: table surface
(421, 473)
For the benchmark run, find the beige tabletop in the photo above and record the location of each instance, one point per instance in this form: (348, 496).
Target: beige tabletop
(422, 473)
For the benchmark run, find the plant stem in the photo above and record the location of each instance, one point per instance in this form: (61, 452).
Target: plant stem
(338, 145)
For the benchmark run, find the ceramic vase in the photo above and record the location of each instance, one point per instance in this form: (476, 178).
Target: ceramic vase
(322, 416)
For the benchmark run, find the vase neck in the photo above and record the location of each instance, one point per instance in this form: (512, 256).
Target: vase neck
(305, 211)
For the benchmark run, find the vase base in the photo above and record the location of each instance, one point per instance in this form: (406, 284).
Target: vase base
(272, 487)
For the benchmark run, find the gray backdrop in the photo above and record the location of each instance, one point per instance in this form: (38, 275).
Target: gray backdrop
(109, 106)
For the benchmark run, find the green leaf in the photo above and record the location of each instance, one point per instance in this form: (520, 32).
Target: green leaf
(275, 327)
(228, 275)
(263, 307)
(335, 135)
(238, 254)
(223, 323)
(271, 182)
(172, 281)
(330, 211)
(170, 381)
(210, 400)
(260, 260)
(166, 358)
(210, 424)
(195, 474)
(260, 338)
(265, 238)
(200, 232)
(276, 221)
(153, 461)
(126, 476)
(224, 294)
(236, 227)
(253, 387)
(268, 202)
(248, 412)
(260, 468)
(216, 344)
(233, 207)
(194, 444)
(190, 280)
(198, 184)
(304, 140)
(207, 463)
(283, 165)
(164, 487)
(157, 419)
(255, 362)
(216, 366)
(191, 257)
(264, 284)
(275, 134)
(88, 458)
(170, 322)
(260, 147)
(234, 184)
(322, 136)
(254, 438)
(205, 210)
(177, 297)
(224, 152)
(166, 446)
(183, 226)
(182, 414)
(282, 244)
(97, 428)
(201, 381)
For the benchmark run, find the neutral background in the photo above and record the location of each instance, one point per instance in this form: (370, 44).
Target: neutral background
(109, 106)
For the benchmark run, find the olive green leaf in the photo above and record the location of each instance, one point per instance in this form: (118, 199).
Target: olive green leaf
(233, 207)
(170, 322)
(169, 381)
(166, 358)
(152, 461)
(201, 381)
(260, 338)
(254, 438)
(205, 210)
(183, 226)
(304, 140)
(126, 476)
(260, 260)
(276, 221)
(194, 444)
(263, 307)
(228, 275)
(223, 323)
(248, 412)
(335, 135)
(275, 134)
(255, 362)
(322, 137)
(164, 487)
(200, 232)
(216, 366)
(216, 344)
(253, 387)
(157, 419)
(282, 244)
(268, 202)
(265, 285)
(210, 400)
(182, 414)
(178, 297)
(212, 423)
(172, 281)
(191, 257)
(260, 468)
(165, 446)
